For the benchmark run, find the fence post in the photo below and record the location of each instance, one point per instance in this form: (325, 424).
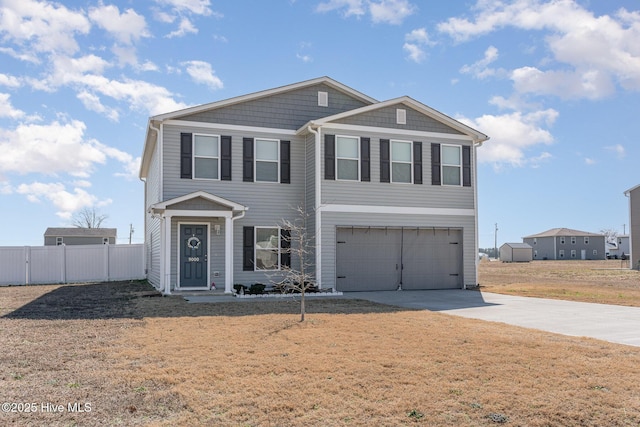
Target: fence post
(27, 267)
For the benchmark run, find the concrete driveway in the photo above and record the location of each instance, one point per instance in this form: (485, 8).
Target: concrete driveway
(611, 323)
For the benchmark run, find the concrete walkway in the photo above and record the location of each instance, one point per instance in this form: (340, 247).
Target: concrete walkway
(613, 323)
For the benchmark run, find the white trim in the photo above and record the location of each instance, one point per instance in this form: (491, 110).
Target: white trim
(256, 160)
(226, 127)
(401, 116)
(197, 213)
(358, 159)
(396, 210)
(393, 132)
(207, 196)
(179, 246)
(391, 161)
(228, 254)
(459, 165)
(193, 155)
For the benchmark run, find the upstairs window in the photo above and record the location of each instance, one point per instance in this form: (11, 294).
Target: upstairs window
(451, 165)
(573, 240)
(348, 157)
(401, 161)
(206, 156)
(267, 160)
(562, 240)
(586, 240)
(59, 241)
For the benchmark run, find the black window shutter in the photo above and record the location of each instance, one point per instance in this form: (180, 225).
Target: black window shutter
(435, 164)
(417, 162)
(385, 162)
(365, 159)
(186, 150)
(285, 162)
(285, 246)
(225, 158)
(247, 249)
(329, 157)
(247, 159)
(466, 166)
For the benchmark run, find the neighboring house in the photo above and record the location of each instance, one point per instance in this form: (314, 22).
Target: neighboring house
(516, 252)
(634, 225)
(80, 236)
(617, 246)
(389, 189)
(564, 243)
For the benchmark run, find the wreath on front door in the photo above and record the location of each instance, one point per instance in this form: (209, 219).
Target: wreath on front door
(193, 243)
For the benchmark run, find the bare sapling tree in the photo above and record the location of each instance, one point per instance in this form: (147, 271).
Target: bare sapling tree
(298, 244)
(88, 218)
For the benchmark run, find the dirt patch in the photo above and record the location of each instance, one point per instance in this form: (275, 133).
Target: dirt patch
(605, 282)
(138, 359)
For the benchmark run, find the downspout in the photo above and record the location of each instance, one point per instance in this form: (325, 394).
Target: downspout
(476, 144)
(317, 209)
(230, 254)
(146, 225)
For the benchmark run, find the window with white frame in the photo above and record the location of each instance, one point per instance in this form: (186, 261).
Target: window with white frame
(401, 161)
(451, 164)
(267, 248)
(59, 241)
(595, 252)
(573, 240)
(105, 240)
(574, 254)
(206, 156)
(562, 240)
(348, 158)
(586, 240)
(561, 253)
(267, 160)
(535, 240)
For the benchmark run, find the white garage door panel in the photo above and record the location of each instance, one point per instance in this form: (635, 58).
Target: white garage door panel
(370, 259)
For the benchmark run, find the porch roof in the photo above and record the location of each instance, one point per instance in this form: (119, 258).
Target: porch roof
(231, 205)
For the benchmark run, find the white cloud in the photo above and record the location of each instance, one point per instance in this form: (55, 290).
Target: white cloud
(592, 52)
(126, 27)
(618, 149)
(42, 26)
(7, 110)
(196, 7)
(92, 102)
(390, 11)
(185, 27)
(55, 149)
(480, 69)
(589, 161)
(66, 202)
(513, 136)
(9, 81)
(201, 72)
(415, 43)
(381, 11)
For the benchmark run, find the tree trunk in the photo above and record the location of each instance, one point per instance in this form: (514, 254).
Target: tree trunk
(302, 309)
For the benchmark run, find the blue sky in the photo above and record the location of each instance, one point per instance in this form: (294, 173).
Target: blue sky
(555, 84)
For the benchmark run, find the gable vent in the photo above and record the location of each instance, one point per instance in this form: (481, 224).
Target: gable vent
(323, 99)
(401, 116)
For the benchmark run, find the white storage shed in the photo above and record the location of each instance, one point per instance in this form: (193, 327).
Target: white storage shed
(516, 252)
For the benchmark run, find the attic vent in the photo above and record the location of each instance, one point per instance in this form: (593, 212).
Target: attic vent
(323, 99)
(401, 116)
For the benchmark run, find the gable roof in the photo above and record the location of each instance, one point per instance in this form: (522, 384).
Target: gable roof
(411, 103)
(564, 232)
(200, 194)
(626, 193)
(518, 245)
(262, 94)
(80, 232)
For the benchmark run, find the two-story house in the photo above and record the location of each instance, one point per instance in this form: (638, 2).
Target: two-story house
(389, 189)
(566, 244)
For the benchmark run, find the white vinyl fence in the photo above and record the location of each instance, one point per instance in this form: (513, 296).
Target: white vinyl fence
(23, 265)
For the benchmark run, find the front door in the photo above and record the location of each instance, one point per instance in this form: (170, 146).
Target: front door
(193, 256)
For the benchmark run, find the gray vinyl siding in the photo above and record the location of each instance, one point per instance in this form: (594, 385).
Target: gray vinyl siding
(634, 228)
(550, 247)
(332, 220)
(152, 237)
(78, 240)
(288, 110)
(386, 118)
(396, 194)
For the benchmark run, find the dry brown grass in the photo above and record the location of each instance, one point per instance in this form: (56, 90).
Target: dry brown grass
(142, 360)
(602, 282)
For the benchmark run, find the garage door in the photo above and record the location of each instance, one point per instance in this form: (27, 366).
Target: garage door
(373, 259)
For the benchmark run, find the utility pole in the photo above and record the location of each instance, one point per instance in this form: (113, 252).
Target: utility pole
(131, 230)
(495, 243)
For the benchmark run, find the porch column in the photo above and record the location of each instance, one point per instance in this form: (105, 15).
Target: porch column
(166, 244)
(228, 254)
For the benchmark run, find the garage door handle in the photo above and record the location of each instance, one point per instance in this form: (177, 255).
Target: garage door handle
(342, 277)
(456, 274)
